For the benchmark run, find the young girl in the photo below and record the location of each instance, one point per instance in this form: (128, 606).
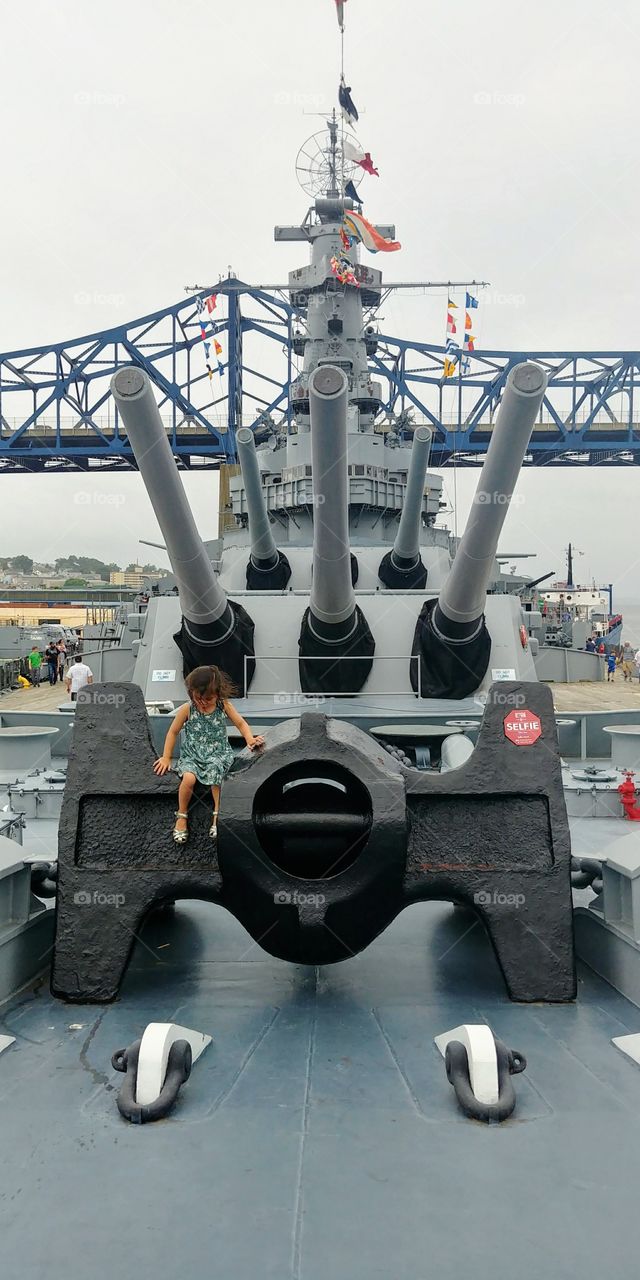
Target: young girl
(205, 754)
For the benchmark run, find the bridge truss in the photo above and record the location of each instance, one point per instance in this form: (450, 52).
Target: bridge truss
(57, 413)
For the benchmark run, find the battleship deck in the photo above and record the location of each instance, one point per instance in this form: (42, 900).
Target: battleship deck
(318, 1134)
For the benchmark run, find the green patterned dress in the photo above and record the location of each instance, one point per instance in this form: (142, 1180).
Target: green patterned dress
(204, 746)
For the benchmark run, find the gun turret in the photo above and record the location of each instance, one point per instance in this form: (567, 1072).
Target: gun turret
(333, 627)
(402, 567)
(214, 630)
(267, 568)
(528, 586)
(451, 641)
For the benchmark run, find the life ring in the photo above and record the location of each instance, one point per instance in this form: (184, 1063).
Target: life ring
(524, 639)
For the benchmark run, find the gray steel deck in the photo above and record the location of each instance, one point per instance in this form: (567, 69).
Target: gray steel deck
(318, 1136)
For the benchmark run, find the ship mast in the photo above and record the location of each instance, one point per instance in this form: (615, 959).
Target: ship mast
(333, 190)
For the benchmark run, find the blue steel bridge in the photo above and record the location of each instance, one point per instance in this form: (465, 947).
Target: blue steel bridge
(57, 414)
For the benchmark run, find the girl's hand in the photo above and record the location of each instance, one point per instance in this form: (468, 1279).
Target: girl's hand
(252, 742)
(162, 765)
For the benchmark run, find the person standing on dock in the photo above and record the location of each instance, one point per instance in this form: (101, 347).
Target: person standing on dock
(51, 657)
(611, 666)
(79, 676)
(35, 665)
(627, 661)
(62, 658)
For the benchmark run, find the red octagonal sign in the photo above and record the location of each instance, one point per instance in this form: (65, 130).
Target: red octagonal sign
(522, 727)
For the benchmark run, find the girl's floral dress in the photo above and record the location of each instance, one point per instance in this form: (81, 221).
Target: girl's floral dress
(204, 746)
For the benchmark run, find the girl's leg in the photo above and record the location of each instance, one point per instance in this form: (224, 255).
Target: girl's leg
(215, 792)
(185, 792)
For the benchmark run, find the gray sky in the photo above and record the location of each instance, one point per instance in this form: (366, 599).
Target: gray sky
(147, 146)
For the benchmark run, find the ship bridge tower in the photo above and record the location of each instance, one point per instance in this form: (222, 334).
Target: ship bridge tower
(332, 329)
(333, 311)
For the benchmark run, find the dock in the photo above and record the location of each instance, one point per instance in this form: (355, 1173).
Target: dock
(587, 695)
(597, 695)
(43, 697)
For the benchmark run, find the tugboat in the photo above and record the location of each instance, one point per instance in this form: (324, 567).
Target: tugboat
(572, 613)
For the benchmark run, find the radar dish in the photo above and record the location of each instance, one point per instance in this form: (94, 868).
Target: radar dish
(321, 166)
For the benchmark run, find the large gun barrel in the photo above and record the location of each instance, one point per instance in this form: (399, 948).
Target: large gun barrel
(264, 552)
(268, 568)
(202, 598)
(213, 631)
(332, 597)
(463, 596)
(402, 567)
(451, 641)
(336, 645)
(407, 541)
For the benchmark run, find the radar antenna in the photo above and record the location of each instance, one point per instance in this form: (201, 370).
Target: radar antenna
(321, 163)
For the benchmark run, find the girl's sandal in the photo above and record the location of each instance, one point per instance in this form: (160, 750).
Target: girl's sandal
(213, 829)
(180, 837)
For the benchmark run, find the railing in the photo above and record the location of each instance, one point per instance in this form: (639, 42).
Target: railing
(47, 430)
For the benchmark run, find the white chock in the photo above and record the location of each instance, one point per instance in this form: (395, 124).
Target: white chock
(157, 1039)
(479, 1042)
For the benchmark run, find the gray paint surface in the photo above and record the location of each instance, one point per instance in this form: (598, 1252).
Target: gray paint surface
(318, 1135)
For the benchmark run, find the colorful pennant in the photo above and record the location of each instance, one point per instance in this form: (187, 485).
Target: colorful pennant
(209, 305)
(471, 302)
(358, 227)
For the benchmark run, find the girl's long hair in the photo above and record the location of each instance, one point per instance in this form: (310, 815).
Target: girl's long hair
(209, 682)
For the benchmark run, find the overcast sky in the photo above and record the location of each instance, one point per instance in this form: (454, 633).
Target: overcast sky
(150, 145)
